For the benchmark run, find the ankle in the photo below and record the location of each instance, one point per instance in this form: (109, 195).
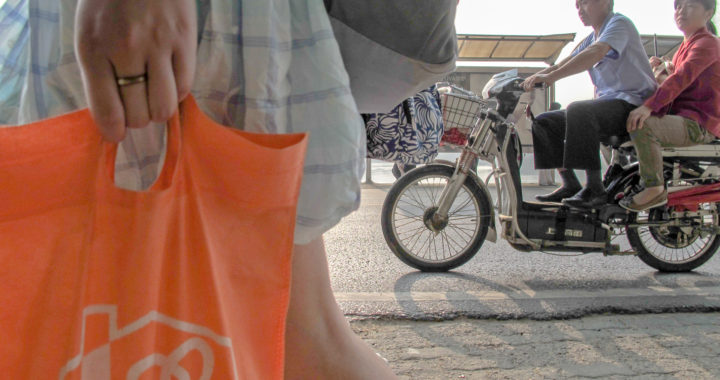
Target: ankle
(595, 189)
(571, 187)
(654, 189)
(570, 181)
(594, 181)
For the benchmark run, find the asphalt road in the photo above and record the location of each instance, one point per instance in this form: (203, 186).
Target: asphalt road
(500, 282)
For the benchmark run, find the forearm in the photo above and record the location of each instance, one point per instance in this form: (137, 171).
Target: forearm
(660, 78)
(554, 67)
(579, 63)
(670, 88)
(548, 70)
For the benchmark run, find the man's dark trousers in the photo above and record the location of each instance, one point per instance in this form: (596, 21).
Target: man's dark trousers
(571, 138)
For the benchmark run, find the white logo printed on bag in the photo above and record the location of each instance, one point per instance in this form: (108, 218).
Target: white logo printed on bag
(197, 345)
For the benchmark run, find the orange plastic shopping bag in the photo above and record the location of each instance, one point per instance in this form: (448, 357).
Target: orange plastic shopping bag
(188, 280)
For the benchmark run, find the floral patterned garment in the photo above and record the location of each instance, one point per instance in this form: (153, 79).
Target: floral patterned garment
(410, 133)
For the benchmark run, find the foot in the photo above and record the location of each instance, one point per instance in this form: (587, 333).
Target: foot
(398, 170)
(559, 194)
(645, 200)
(587, 199)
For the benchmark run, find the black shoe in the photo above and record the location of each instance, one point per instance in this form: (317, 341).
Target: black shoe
(559, 194)
(586, 199)
(399, 170)
(396, 171)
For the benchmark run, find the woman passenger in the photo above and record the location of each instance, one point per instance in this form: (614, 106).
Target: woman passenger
(685, 109)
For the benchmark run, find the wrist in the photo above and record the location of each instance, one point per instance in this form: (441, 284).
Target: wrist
(547, 70)
(651, 105)
(552, 77)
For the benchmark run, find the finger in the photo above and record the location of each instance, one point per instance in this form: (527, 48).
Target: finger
(183, 62)
(529, 83)
(638, 122)
(631, 122)
(161, 90)
(641, 122)
(102, 96)
(134, 96)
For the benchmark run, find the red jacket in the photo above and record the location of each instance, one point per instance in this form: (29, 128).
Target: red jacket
(693, 90)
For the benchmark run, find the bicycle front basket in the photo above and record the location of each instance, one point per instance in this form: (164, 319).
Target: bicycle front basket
(460, 114)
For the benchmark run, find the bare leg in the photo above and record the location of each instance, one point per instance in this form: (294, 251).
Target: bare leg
(319, 341)
(648, 194)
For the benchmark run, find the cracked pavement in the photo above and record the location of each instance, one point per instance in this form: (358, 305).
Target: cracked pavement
(667, 346)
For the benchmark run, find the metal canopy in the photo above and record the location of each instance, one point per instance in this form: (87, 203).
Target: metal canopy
(476, 47)
(666, 45)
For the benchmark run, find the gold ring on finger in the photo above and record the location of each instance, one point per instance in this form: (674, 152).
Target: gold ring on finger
(131, 80)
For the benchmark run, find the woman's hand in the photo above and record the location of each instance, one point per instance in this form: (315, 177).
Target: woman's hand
(636, 119)
(662, 68)
(670, 67)
(152, 43)
(665, 62)
(655, 62)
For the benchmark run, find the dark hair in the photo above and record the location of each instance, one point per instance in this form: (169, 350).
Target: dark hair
(707, 4)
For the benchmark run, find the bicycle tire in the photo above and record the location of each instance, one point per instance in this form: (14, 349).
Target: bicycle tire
(389, 219)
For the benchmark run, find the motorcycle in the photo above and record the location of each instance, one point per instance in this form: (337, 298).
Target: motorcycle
(437, 217)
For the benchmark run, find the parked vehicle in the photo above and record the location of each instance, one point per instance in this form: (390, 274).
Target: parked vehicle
(437, 217)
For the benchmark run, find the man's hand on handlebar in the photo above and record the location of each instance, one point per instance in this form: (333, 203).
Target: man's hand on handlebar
(537, 81)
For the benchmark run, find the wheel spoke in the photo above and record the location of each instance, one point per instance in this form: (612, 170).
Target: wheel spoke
(416, 198)
(676, 244)
(453, 240)
(413, 236)
(461, 207)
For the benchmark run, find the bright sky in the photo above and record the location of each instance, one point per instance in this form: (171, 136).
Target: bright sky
(532, 17)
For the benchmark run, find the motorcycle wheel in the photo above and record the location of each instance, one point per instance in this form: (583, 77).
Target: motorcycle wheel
(412, 201)
(674, 249)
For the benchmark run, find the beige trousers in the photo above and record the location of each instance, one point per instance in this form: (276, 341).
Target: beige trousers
(659, 132)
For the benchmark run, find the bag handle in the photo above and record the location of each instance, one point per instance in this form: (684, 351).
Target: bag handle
(168, 173)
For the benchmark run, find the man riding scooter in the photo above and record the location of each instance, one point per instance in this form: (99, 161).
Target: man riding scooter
(570, 139)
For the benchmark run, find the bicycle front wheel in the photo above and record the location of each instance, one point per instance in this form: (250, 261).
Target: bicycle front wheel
(413, 200)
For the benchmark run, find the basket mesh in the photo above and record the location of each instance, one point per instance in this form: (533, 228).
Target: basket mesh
(459, 116)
